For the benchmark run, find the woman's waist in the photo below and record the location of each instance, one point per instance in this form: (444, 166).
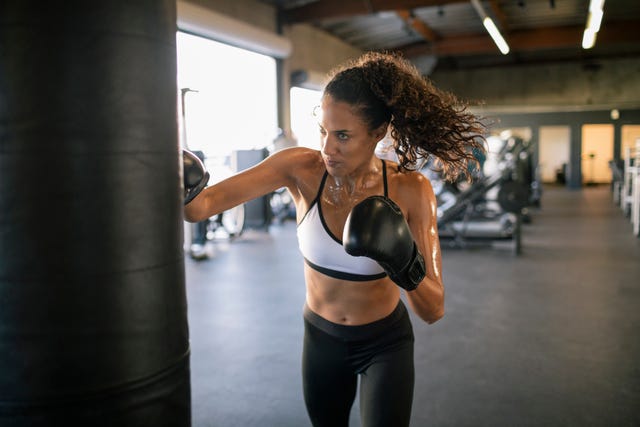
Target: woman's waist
(350, 303)
(357, 331)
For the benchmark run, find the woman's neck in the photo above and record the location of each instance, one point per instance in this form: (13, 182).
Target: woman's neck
(348, 189)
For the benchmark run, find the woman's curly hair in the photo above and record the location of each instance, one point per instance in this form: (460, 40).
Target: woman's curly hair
(424, 121)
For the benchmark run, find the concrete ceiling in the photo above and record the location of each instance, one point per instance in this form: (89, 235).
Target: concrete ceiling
(448, 34)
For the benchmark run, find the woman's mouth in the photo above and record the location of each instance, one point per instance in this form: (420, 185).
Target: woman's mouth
(331, 163)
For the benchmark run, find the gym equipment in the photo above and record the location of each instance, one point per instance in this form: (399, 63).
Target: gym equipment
(491, 210)
(618, 177)
(626, 185)
(376, 228)
(635, 203)
(629, 187)
(93, 318)
(282, 206)
(513, 196)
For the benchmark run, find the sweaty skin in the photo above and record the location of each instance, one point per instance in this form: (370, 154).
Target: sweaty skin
(347, 154)
(340, 191)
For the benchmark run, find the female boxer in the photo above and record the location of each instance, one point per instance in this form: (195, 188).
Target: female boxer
(367, 230)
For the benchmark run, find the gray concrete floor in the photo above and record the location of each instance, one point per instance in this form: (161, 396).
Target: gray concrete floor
(549, 338)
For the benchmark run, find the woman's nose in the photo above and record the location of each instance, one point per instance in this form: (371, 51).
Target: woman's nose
(328, 146)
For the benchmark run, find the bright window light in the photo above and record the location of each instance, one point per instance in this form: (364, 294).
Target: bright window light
(235, 106)
(304, 124)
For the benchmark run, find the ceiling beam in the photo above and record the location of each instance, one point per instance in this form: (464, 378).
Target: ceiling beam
(526, 40)
(418, 25)
(331, 9)
(499, 15)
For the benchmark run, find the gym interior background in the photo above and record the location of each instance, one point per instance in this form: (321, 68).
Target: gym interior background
(115, 312)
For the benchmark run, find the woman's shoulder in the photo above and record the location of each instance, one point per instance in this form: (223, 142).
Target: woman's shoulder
(403, 177)
(301, 154)
(408, 186)
(299, 158)
(304, 167)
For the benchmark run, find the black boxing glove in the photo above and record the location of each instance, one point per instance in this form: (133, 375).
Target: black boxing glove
(376, 228)
(194, 175)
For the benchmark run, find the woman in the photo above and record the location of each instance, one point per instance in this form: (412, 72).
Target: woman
(367, 228)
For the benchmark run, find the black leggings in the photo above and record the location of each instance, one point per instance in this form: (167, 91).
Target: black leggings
(380, 352)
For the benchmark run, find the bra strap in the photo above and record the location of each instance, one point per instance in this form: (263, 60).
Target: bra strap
(384, 178)
(324, 179)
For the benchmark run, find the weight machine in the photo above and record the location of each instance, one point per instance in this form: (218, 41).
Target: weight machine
(626, 185)
(491, 210)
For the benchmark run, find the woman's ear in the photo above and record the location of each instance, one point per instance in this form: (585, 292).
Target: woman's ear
(380, 132)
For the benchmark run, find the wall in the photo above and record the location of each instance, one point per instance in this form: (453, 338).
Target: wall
(615, 84)
(574, 120)
(316, 51)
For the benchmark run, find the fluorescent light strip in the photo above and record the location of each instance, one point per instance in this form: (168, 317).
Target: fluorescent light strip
(594, 20)
(588, 39)
(495, 35)
(491, 27)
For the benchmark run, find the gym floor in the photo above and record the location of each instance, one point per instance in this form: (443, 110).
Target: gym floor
(547, 338)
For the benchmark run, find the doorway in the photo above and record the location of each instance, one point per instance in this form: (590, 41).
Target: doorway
(597, 152)
(630, 134)
(554, 153)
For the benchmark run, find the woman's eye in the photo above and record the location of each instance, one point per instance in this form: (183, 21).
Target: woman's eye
(322, 131)
(342, 136)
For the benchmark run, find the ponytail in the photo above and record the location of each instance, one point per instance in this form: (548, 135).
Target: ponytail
(425, 121)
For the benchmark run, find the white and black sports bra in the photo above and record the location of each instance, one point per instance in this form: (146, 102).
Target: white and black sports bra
(323, 251)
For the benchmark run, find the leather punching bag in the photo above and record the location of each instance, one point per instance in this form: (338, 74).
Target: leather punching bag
(93, 316)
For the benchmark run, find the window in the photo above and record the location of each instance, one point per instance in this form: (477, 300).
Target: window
(232, 103)
(304, 124)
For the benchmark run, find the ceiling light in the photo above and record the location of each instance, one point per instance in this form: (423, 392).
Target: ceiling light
(588, 39)
(615, 114)
(594, 20)
(495, 35)
(491, 27)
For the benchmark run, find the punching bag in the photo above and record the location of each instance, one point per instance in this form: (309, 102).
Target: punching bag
(93, 316)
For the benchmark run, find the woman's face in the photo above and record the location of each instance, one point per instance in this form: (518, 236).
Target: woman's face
(346, 143)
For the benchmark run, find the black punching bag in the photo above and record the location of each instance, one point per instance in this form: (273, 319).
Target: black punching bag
(93, 316)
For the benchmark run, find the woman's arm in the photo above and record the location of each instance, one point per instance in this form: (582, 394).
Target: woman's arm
(427, 300)
(272, 173)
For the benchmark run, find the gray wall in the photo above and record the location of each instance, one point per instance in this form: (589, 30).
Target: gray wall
(614, 83)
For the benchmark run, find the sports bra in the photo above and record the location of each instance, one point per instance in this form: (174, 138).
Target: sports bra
(323, 251)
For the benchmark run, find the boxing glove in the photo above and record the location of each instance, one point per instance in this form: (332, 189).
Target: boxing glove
(376, 228)
(194, 175)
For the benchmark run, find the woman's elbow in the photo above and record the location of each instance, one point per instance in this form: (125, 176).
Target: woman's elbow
(193, 212)
(433, 317)
(189, 218)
